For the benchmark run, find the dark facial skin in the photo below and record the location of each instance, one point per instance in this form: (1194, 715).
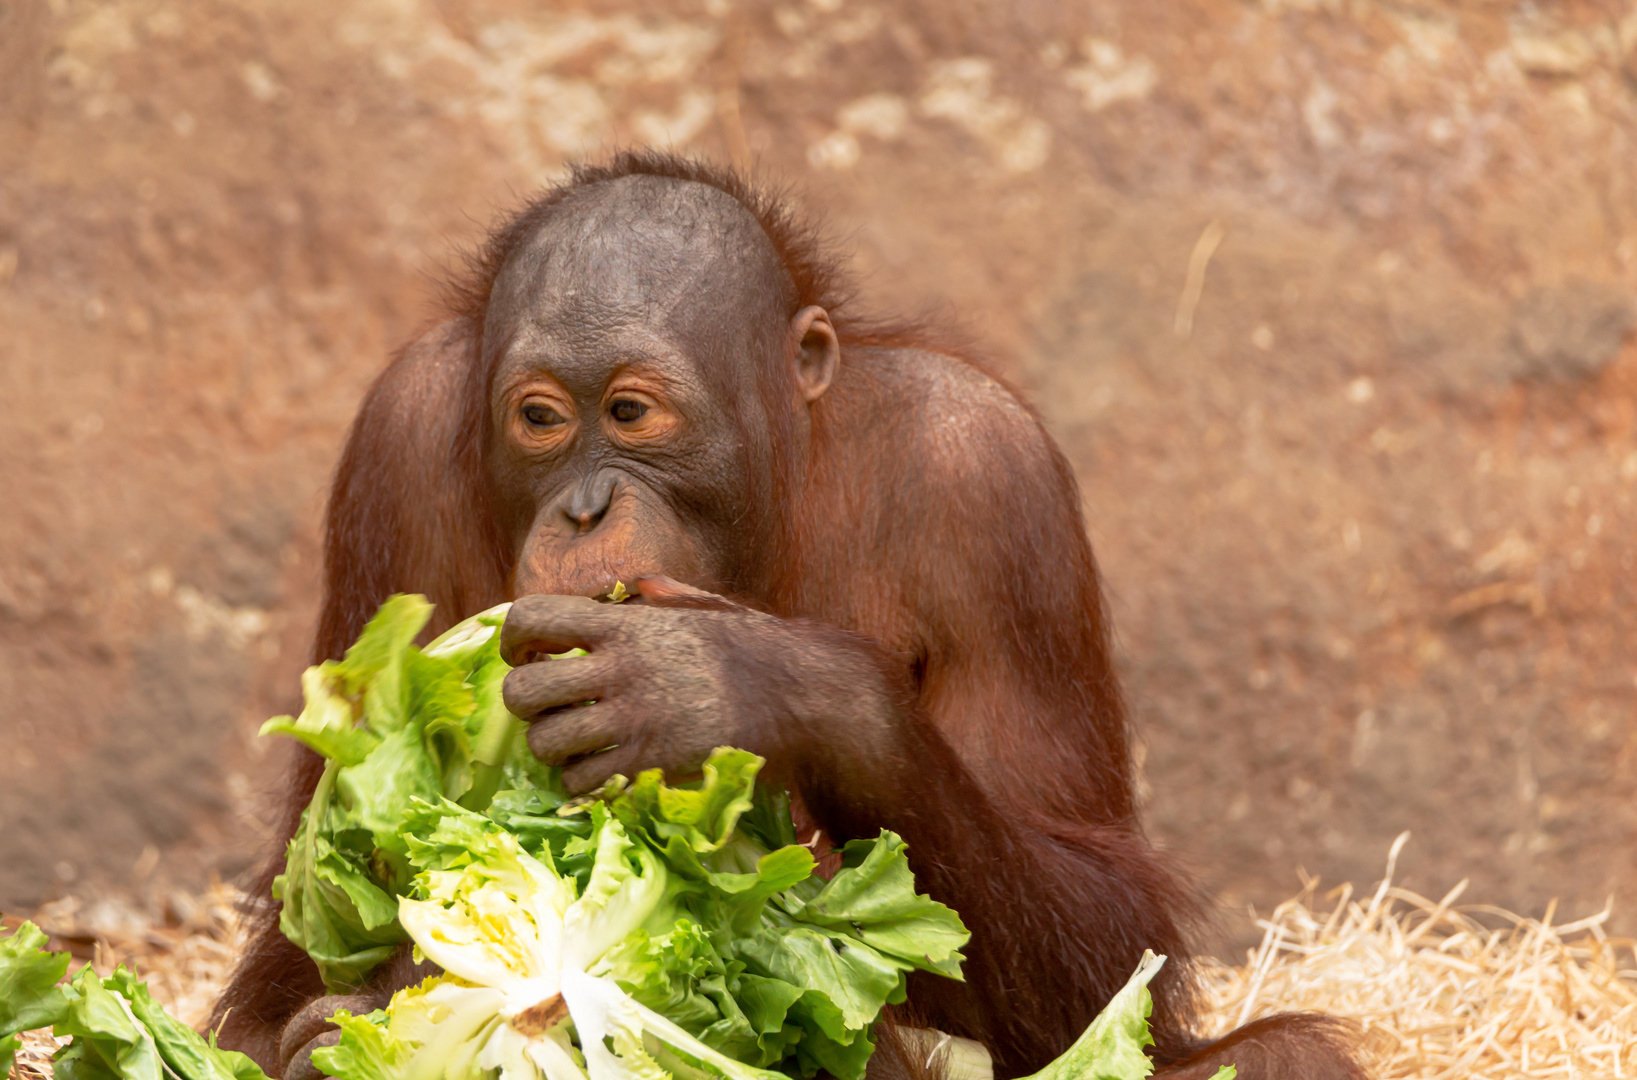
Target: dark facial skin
(630, 444)
(628, 437)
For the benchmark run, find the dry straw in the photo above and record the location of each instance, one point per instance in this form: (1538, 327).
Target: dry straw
(1442, 991)
(1439, 990)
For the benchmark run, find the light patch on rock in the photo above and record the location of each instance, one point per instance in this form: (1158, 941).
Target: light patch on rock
(1427, 37)
(882, 116)
(542, 114)
(1279, 7)
(1441, 129)
(838, 150)
(791, 23)
(1511, 554)
(165, 24)
(567, 114)
(653, 52)
(105, 31)
(1575, 99)
(1108, 75)
(1563, 53)
(855, 27)
(962, 92)
(1319, 113)
(681, 125)
(207, 616)
(260, 82)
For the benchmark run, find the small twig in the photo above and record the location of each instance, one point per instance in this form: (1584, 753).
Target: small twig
(1193, 286)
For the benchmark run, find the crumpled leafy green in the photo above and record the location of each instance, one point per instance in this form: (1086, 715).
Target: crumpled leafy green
(676, 939)
(29, 995)
(396, 723)
(1112, 1047)
(118, 1031)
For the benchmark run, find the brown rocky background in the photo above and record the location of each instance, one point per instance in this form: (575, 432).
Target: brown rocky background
(1331, 302)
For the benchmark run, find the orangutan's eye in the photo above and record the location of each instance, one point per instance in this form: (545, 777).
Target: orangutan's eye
(625, 410)
(541, 416)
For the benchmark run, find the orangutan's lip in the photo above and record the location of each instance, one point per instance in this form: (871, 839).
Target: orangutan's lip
(599, 589)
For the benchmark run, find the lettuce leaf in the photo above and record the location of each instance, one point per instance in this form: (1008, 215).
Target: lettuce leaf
(516, 939)
(874, 893)
(118, 1031)
(673, 941)
(1112, 1047)
(29, 995)
(709, 946)
(181, 1048)
(366, 1051)
(399, 725)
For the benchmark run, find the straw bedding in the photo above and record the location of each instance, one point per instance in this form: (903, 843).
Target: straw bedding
(1439, 990)
(1445, 991)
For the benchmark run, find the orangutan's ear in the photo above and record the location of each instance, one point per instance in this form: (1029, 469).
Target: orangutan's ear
(818, 352)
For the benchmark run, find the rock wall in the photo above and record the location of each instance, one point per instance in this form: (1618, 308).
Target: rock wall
(1330, 302)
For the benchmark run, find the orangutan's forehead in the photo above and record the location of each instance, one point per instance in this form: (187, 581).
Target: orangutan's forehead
(643, 244)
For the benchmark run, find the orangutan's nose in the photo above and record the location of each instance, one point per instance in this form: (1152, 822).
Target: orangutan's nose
(592, 498)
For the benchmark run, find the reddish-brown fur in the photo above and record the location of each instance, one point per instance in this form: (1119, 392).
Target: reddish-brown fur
(937, 520)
